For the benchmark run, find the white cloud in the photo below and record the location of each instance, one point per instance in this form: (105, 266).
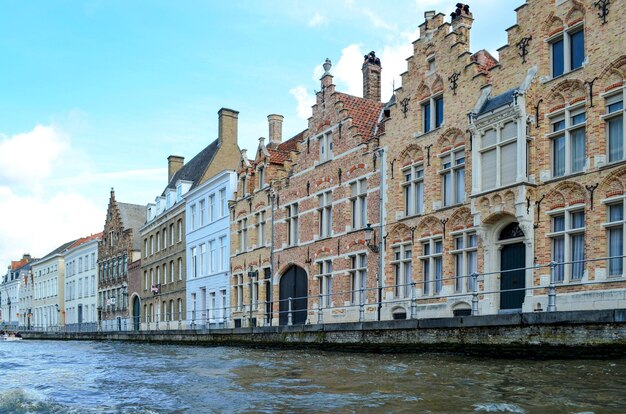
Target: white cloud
(347, 71)
(305, 101)
(317, 20)
(37, 225)
(29, 157)
(148, 174)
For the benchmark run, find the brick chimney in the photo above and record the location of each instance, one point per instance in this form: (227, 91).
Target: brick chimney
(462, 22)
(227, 129)
(371, 77)
(275, 123)
(174, 163)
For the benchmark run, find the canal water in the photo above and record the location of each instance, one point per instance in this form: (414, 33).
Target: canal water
(118, 377)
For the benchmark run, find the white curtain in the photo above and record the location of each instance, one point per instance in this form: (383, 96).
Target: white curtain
(558, 255)
(419, 198)
(616, 139)
(460, 185)
(558, 156)
(578, 253)
(438, 274)
(616, 248)
(447, 188)
(488, 161)
(508, 163)
(577, 139)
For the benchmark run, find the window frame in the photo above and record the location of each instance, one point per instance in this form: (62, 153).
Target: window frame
(567, 234)
(400, 262)
(566, 116)
(611, 98)
(432, 283)
(452, 171)
(409, 187)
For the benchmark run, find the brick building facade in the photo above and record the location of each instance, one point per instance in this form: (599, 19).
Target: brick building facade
(491, 166)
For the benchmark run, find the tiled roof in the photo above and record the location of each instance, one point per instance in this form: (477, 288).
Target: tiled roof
(84, 240)
(497, 101)
(364, 113)
(280, 153)
(485, 60)
(58, 250)
(195, 168)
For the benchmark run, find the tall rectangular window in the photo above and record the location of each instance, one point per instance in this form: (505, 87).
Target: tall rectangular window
(261, 232)
(325, 214)
(577, 49)
(223, 254)
(614, 119)
(358, 278)
(568, 141)
(223, 203)
(180, 230)
(243, 235)
(202, 213)
(291, 213)
(615, 238)
(432, 266)
(326, 147)
(558, 58)
(324, 271)
(402, 263)
(426, 116)
(465, 261)
(203, 265)
(192, 217)
(568, 244)
(438, 111)
(213, 256)
(261, 172)
(413, 189)
(453, 177)
(211, 208)
(194, 262)
(172, 234)
(358, 203)
(180, 269)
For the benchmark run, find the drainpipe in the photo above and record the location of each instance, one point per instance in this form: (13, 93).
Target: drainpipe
(381, 152)
(272, 198)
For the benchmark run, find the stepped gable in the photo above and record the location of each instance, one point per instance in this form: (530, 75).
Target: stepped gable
(364, 113)
(195, 168)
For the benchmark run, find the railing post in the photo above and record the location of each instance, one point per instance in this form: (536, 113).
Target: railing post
(289, 315)
(224, 317)
(413, 301)
(320, 318)
(474, 277)
(361, 306)
(552, 288)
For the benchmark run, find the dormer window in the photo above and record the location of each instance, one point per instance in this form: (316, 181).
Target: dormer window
(567, 50)
(168, 200)
(326, 147)
(179, 193)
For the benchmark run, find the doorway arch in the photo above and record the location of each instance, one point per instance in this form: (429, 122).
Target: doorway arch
(512, 264)
(293, 284)
(136, 313)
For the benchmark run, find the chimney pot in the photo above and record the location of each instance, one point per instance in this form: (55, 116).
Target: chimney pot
(275, 123)
(371, 77)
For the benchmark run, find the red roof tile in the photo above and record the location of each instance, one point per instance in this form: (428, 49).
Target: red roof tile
(364, 113)
(84, 240)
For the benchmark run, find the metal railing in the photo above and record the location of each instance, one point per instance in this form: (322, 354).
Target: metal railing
(412, 299)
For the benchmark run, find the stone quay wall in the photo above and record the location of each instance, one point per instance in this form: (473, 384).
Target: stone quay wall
(571, 334)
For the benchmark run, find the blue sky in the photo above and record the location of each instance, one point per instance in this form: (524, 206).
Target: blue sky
(96, 94)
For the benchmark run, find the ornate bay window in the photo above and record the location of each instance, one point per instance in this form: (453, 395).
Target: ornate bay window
(499, 156)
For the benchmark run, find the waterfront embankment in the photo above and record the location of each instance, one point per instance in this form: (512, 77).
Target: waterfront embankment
(572, 334)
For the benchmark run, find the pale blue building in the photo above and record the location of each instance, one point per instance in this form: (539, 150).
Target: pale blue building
(208, 250)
